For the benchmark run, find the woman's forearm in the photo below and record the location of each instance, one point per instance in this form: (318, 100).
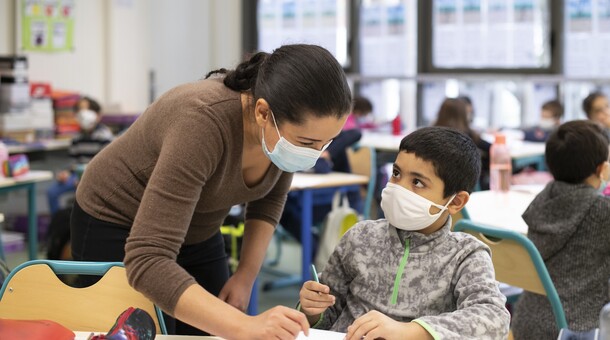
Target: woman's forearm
(257, 236)
(202, 310)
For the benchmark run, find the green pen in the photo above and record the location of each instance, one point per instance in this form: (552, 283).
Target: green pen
(314, 273)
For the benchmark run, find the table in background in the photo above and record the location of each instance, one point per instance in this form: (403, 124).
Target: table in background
(305, 185)
(502, 209)
(522, 153)
(386, 142)
(42, 145)
(28, 182)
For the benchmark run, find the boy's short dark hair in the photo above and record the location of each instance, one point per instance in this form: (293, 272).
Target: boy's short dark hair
(455, 157)
(555, 107)
(575, 150)
(93, 104)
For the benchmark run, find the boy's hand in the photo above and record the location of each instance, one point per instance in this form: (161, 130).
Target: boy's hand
(315, 298)
(375, 325)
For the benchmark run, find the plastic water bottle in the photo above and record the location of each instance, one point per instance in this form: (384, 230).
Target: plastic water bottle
(500, 166)
(396, 126)
(604, 320)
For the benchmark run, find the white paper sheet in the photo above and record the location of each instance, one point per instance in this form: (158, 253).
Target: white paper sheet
(321, 335)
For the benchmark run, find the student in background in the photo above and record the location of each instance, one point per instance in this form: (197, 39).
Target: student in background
(597, 109)
(453, 114)
(448, 289)
(92, 138)
(569, 222)
(469, 108)
(360, 118)
(155, 198)
(550, 119)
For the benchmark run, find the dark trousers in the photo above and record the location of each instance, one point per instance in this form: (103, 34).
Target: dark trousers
(97, 240)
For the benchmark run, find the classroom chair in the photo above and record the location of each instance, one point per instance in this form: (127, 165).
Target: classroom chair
(517, 262)
(32, 291)
(362, 161)
(1, 243)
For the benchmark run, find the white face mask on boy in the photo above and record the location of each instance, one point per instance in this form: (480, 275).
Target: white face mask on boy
(407, 210)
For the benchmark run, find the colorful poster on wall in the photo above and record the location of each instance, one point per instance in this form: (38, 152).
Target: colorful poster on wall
(47, 25)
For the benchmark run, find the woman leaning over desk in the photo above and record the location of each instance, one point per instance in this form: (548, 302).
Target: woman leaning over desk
(157, 195)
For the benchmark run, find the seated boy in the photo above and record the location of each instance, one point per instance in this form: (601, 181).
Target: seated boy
(569, 222)
(409, 276)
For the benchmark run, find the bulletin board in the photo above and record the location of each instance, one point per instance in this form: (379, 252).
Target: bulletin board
(47, 25)
(320, 22)
(489, 35)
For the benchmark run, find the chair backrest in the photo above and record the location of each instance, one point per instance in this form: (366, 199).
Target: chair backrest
(362, 161)
(33, 291)
(517, 262)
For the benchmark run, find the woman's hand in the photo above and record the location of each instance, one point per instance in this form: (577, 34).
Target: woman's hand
(278, 323)
(236, 292)
(315, 298)
(375, 325)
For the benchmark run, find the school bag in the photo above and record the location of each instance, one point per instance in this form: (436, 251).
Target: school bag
(340, 218)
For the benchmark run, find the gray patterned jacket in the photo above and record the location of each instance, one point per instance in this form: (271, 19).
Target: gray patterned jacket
(448, 284)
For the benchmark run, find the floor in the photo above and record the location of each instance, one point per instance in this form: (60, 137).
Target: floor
(289, 264)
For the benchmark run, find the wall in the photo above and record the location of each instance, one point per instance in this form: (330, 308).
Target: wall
(118, 42)
(189, 38)
(7, 10)
(127, 55)
(82, 70)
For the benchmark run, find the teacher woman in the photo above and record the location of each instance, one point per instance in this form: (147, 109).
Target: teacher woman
(155, 197)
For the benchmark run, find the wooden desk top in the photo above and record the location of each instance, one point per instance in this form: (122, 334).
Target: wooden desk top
(502, 209)
(391, 143)
(85, 336)
(32, 176)
(302, 181)
(43, 145)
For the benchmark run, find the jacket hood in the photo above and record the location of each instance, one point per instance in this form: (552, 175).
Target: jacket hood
(558, 205)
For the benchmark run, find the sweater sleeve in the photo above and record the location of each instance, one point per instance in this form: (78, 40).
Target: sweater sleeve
(270, 207)
(480, 312)
(189, 152)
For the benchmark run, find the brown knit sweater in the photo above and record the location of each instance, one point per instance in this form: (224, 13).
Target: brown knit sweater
(171, 179)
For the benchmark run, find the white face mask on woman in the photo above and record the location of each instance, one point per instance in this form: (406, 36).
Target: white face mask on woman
(407, 210)
(289, 157)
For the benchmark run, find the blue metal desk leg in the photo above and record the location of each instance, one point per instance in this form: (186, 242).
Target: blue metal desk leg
(253, 305)
(306, 218)
(32, 223)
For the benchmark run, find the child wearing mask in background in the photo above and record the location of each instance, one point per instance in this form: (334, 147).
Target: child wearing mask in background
(92, 138)
(550, 118)
(448, 289)
(569, 223)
